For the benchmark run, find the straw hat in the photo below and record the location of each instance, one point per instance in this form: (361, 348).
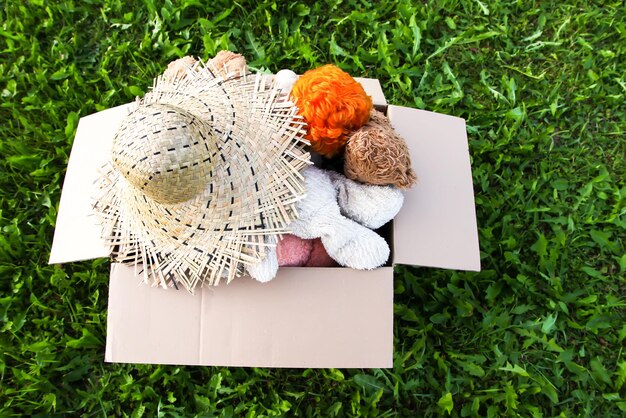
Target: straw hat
(204, 175)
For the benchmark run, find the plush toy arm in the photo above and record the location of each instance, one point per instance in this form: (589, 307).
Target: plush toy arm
(318, 211)
(266, 269)
(370, 205)
(313, 227)
(355, 246)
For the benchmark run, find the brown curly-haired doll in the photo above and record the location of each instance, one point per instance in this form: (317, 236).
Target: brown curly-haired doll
(376, 154)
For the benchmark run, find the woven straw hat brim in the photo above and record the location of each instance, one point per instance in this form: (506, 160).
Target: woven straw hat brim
(250, 192)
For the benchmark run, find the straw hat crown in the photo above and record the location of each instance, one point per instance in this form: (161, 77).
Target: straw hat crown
(169, 158)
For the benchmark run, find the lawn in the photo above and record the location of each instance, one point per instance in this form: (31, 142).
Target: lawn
(540, 331)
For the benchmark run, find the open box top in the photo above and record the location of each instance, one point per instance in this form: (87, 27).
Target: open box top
(305, 317)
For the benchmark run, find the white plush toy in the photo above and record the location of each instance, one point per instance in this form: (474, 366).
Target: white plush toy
(340, 212)
(284, 80)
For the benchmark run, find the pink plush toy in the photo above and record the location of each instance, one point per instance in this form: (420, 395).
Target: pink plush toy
(292, 251)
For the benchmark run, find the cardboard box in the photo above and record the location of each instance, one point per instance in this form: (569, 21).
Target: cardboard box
(305, 317)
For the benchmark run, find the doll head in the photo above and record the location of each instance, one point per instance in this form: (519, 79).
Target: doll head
(333, 104)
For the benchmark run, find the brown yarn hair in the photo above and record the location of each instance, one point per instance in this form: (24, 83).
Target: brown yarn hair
(224, 64)
(376, 154)
(227, 63)
(177, 68)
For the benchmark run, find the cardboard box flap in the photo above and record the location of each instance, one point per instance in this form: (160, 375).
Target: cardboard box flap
(437, 224)
(373, 88)
(302, 318)
(77, 232)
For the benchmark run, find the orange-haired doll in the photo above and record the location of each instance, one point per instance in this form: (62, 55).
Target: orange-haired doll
(333, 104)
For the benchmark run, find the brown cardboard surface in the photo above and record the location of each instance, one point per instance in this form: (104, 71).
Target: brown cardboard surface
(436, 226)
(305, 317)
(77, 232)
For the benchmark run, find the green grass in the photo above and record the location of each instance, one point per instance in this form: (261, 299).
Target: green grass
(539, 332)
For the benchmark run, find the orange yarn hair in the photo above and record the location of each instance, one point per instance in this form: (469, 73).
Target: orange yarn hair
(333, 104)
